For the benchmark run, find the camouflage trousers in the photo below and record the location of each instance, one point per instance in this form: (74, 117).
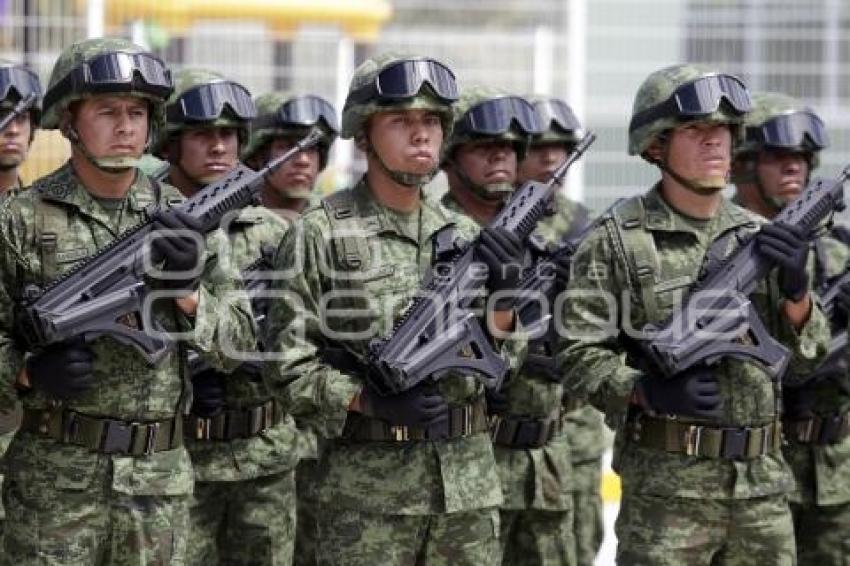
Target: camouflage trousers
(537, 537)
(353, 538)
(243, 522)
(822, 533)
(677, 531)
(305, 503)
(588, 518)
(90, 526)
(5, 439)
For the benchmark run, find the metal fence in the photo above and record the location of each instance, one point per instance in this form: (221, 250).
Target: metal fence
(594, 54)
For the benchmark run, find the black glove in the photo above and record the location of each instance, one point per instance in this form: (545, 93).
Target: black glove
(788, 248)
(179, 250)
(799, 402)
(694, 392)
(503, 252)
(62, 370)
(207, 393)
(422, 405)
(497, 401)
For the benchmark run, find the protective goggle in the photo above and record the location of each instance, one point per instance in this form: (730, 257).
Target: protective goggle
(494, 117)
(303, 111)
(698, 98)
(206, 102)
(116, 72)
(556, 113)
(405, 79)
(800, 129)
(20, 80)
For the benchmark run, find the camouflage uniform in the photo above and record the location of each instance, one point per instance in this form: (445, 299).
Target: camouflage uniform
(819, 458)
(677, 508)
(383, 501)
(243, 506)
(68, 503)
(271, 123)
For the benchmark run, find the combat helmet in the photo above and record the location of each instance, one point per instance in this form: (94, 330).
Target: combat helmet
(106, 66)
(557, 120)
(397, 82)
(18, 83)
(282, 114)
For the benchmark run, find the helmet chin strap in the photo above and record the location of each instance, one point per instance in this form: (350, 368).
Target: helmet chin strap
(696, 186)
(114, 164)
(412, 180)
(498, 192)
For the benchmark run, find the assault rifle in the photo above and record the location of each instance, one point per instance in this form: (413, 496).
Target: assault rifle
(438, 332)
(22, 106)
(106, 293)
(717, 319)
(835, 361)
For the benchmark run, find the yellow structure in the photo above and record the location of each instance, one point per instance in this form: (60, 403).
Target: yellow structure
(361, 20)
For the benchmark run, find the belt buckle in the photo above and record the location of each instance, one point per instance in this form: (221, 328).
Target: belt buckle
(202, 428)
(733, 445)
(150, 437)
(808, 428)
(118, 437)
(400, 433)
(693, 440)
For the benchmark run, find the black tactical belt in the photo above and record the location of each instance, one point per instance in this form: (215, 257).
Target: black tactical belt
(830, 429)
(233, 423)
(524, 432)
(464, 420)
(105, 435)
(744, 443)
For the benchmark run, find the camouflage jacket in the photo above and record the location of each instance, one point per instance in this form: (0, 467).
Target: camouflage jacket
(319, 313)
(128, 389)
(822, 473)
(597, 364)
(533, 478)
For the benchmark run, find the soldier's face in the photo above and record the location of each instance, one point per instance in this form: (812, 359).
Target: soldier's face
(15, 141)
(541, 161)
(207, 154)
(407, 140)
(112, 126)
(298, 175)
(701, 152)
(782, 174)
(488, 162)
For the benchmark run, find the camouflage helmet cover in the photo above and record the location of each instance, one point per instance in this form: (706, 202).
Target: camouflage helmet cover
(189, 78)
(76, 55)
(10, 103)
(268, 104)
(656, 89)
(473, 96)
(355, 114)
(553, 132)
(767, 106)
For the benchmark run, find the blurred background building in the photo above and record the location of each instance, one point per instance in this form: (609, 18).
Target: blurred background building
(593, 54)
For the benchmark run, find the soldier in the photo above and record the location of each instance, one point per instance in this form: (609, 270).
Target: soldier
(771, 168)
(406, 478)
(698, 452)
(584, 429)
(282, 120)
(81, 488)
(243, 446)
(491, 133)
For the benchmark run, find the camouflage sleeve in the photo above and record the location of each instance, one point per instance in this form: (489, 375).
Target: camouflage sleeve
(223, 323)
(314, 392)
(11, 356)
(589, 352)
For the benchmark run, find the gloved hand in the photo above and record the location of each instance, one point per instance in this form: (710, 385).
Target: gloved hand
(787, 247)
(694, 392)
(207, 393)
(422, 405)
(179, 250)
(503, 252)
(799, 402)
(63, 370)
(497, 401)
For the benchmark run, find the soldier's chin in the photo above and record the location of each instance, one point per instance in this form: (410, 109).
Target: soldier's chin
(8, 162)
(709, 185)
(297, 192)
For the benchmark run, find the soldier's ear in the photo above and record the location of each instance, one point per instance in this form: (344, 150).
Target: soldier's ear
(655, 150)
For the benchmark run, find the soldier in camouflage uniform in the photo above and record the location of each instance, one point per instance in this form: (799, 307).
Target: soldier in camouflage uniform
(772, 166)
(405, 478)
(491, 133)
(243, 446)
(16, 84)
(283, 119)
(583, 425)
(703, 476)
(97, 473)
